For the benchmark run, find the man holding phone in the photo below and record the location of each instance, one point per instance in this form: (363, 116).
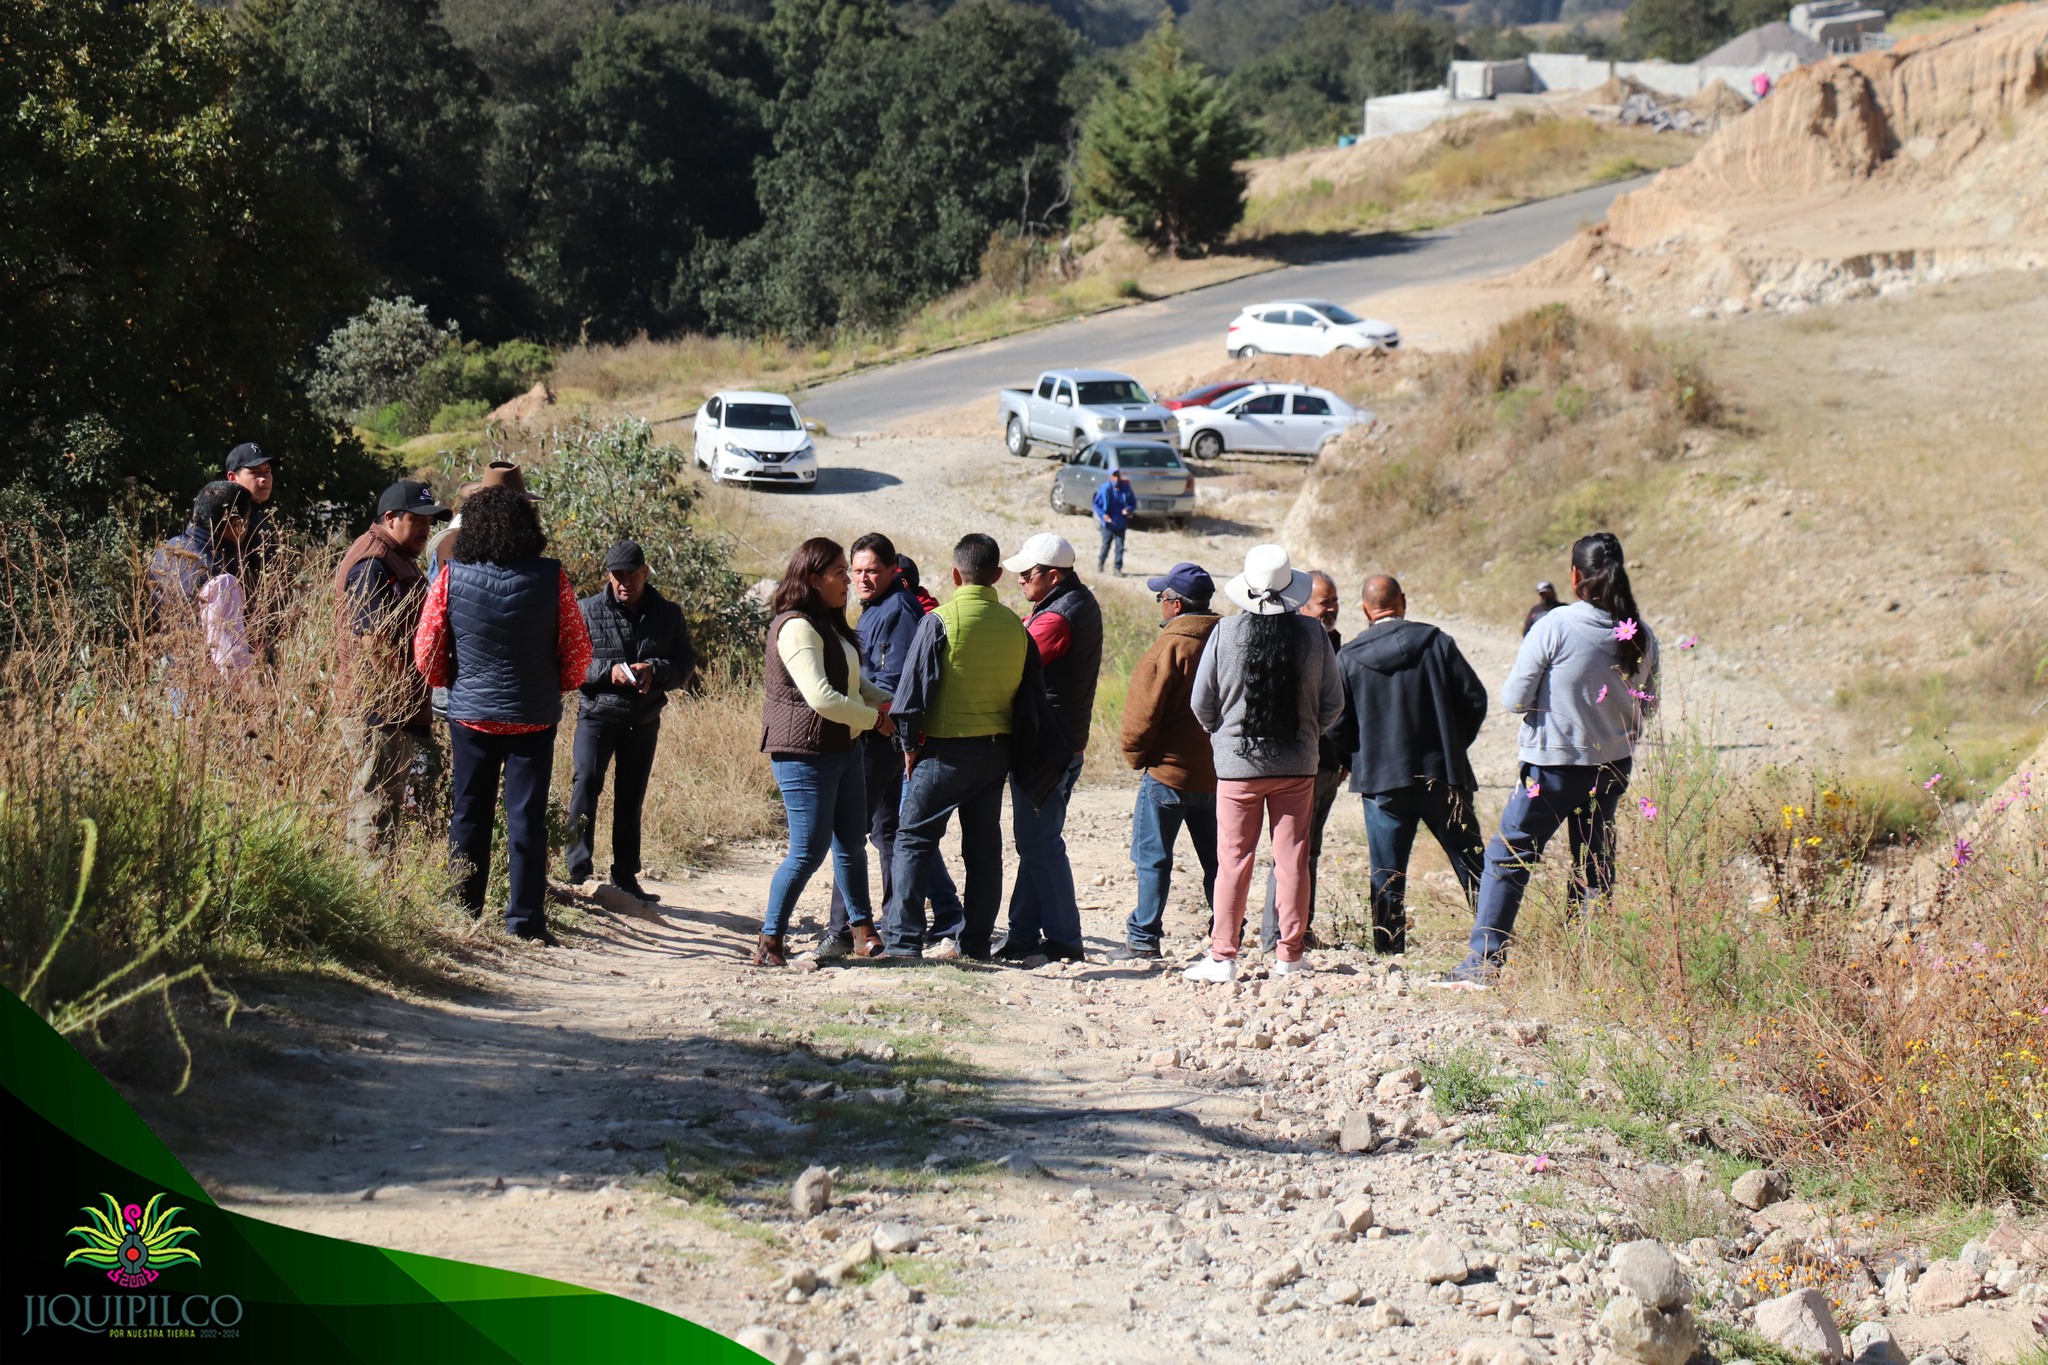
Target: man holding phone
(639, 651)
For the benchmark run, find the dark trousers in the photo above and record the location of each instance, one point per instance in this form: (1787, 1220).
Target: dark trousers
(1391, 819)
(526, 763)
(1579, 800)
(600, 742)
(884, 765)
(951, 774)
(1111, 536)
(1156, 821)
(1328, 784)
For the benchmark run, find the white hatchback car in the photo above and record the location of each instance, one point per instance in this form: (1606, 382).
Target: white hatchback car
(1275, 419)
(755, 438)
(1306, 327)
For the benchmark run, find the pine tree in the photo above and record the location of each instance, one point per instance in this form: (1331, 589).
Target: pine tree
(1162, 152)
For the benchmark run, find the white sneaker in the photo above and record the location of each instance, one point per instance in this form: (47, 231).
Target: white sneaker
(1212, 969)
(1299, 967)
(945, 947)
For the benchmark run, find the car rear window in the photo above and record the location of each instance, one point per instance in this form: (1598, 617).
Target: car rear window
(1147, 457)
(1266, 404)
(761, 416)
(1308, 405)
(1095, 392)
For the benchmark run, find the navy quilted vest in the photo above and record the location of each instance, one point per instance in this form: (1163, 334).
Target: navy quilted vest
(502, 619)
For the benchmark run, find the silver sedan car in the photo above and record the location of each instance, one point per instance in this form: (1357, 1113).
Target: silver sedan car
(1165, 487)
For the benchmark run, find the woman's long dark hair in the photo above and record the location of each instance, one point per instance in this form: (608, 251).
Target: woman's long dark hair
(1603, 581)
(797, 592)
(499, 526)
(1271, 649)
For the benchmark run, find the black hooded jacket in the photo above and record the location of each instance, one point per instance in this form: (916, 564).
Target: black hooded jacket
(1412, 707)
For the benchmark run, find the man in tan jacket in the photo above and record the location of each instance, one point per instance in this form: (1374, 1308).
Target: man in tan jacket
(1161, 735)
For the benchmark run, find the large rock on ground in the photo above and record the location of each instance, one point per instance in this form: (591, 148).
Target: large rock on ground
(1872, 1343)
(771, 1344)
(1641, 1333)
(812, 1192)
(1945, 1285)
(1439, 1261)
(1356, 1133)
(1650, 1271)
(1760, 1189)
(1800, 1321)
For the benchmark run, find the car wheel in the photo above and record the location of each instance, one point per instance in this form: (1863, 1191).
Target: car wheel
(716, 477)
(1015, 439)
(1207, 445)
(1059, 499)
(1247, 352)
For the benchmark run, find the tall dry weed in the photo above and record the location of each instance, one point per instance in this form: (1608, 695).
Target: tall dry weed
(1906, 1055)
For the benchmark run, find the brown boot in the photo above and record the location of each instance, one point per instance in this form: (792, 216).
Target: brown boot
(866, 942)
(768, 952)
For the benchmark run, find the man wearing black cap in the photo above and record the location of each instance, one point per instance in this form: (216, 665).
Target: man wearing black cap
(1161, 736)
(639, 651)
(385, 716)
(249, 466)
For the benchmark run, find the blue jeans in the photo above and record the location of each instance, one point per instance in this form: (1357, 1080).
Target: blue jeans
(1156, 822)
(1042, 903)
(1391, 819)
(1582, 801)
(826, 797)
(1110, 535)
(951, 774)
(882, 761)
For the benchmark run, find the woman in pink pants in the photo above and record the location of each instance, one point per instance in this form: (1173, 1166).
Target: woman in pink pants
(1266, 690)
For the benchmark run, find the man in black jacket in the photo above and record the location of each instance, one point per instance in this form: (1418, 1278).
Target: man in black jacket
(639, 651)
(1412, 707)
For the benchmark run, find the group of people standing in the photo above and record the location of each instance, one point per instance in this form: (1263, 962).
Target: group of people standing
(460, 665)
(1238, 724)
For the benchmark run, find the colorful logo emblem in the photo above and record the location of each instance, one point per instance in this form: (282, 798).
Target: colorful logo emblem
(131, 1243)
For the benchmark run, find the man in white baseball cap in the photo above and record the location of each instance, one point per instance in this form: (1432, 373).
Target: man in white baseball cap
(1066, 625)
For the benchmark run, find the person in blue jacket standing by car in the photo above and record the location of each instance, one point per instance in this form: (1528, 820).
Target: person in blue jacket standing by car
(1114, 503)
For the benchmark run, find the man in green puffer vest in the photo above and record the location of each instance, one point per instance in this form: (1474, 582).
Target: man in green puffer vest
(953, 707)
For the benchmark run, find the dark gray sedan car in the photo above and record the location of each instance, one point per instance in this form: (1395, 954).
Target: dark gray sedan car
(1164, 487)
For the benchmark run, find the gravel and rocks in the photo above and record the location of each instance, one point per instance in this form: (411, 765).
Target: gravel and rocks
(1801, 1321)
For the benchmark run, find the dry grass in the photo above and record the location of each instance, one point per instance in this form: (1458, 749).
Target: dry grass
(1477, 166)
(1504, 454)
(1902, 1059)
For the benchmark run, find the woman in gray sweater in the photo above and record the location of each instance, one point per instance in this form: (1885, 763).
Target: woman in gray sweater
(1266, 689)
(1584, 681)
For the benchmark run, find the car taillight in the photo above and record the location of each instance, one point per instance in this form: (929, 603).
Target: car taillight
(1190, 485)
(1233, 328)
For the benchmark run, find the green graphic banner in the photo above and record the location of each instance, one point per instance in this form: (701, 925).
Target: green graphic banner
(114, 1252)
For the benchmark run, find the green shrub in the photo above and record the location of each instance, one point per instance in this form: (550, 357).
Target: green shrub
(460, 416)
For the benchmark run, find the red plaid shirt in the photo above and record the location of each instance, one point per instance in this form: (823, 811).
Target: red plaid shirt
(433, 649)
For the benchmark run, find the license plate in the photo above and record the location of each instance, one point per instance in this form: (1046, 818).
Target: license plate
(1155, 504)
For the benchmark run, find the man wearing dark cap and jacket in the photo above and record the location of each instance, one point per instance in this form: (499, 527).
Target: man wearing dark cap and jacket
(385, 716)
(639, 651)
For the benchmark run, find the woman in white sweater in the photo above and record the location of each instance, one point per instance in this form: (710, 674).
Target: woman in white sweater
(816, 702)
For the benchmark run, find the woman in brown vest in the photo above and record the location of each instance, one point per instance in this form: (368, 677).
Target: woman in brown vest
(816, 703)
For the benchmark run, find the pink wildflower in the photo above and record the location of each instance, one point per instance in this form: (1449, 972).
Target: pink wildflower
(1625, 630)
(1537, 1164)
(1963, 854)
(1601, 695)
(1647, 807)
(1689, 642)
(1532, 788)
(1931, 783)
(1641, 695)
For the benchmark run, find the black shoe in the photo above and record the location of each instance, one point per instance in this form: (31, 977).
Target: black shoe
(1131, 953)
(580, 875)
(1062, 952)
(1008, 953)
(541, 936)
(835, 945)
(631, 886)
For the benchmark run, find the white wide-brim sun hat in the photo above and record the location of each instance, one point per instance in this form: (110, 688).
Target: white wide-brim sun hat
(1270, 584)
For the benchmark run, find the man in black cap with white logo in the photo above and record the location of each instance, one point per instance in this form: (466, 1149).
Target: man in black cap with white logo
(248, 464)
(384, 712)
(639, 651)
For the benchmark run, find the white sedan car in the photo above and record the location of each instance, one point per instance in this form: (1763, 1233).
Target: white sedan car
(755, 438)
(1306, 327)
(1276, 419)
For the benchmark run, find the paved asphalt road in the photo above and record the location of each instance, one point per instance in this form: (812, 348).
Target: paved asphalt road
(1481, 246)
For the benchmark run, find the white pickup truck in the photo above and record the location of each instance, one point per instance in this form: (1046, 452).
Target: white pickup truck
(1071, 408)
